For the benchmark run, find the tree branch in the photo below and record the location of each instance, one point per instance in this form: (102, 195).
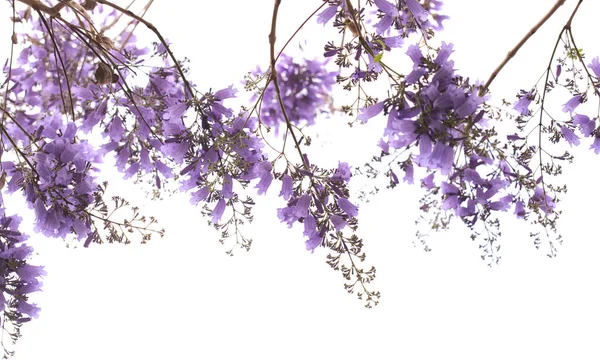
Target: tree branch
(514, 51)
(50, 10)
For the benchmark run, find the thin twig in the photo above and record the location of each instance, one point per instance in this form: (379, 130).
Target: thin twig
(9, 73)
(144, 11)
(298, 29)
(568, 24)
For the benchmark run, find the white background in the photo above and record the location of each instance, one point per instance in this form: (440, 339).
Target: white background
(181, 297)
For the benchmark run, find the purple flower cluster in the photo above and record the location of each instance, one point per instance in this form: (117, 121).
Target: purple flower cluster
(143, 124)
(482, 192)
(412, 11)
(404, 17)
(55, 166)
(581, 122)
(18, 278)
(323, 207)
(64, 86)
(440, 117)
(435, 116)
(305, 87)
(542, 200)
(525, 99)
(577, 123)
(226, 150)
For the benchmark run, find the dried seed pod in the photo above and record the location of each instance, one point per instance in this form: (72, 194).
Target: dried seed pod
(350, 25)
(89, 4)
(104, 74)
(104, 41)
(2, 179)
